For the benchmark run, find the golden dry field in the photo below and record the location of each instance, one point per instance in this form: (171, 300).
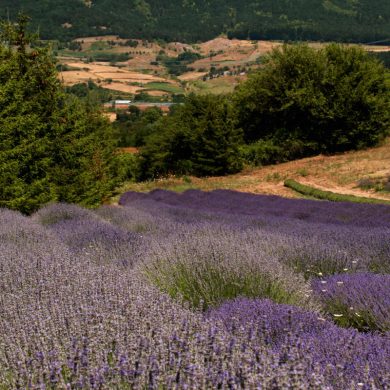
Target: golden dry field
(133, 75)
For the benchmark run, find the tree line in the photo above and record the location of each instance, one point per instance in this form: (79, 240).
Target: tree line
(301, 102)
(198, 20)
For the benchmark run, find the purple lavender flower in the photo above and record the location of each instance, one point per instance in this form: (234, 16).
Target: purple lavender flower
(76, 310)
(359, 300)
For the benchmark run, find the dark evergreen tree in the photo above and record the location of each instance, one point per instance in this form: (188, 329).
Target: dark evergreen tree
(52, 148)
(178, 20)
(214, 135)
(201, 138)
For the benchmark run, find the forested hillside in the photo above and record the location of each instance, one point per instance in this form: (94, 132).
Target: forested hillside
(194, 20)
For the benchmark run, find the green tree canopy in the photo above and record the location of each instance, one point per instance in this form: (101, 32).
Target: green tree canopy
(53, 148)
(200, 138)
(191, 21)
(334, 99)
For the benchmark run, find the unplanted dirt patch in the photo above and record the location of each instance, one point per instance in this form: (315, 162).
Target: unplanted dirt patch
(110, 115)
(122, 87)
(189, 76)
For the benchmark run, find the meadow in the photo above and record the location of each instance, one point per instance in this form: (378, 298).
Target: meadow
(198, 290)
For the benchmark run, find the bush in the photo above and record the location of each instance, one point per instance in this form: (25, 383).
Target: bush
(207, 267)
(126, 167)
(198, 138)
(265, 152)
(335, 98)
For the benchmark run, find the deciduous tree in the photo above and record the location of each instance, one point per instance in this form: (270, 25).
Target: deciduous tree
(335, 98)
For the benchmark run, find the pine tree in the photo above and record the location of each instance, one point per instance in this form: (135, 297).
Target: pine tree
(215, 136)
(52, 148)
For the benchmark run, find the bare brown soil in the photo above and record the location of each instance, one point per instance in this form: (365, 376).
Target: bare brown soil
(120, 78)
(122, 87)
(189, 76)
(157, 93)
(339, 173)
(129, 149)
(110, 115)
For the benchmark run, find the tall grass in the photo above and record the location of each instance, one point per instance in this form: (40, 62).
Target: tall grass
(207, 267)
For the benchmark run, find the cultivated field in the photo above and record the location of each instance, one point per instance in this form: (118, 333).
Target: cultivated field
(201, 290)
(238, 55)
(102, 72)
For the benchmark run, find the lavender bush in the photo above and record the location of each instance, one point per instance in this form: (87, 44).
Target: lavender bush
(340, 213)
(105, 299)
(319, 245)
(85, 234)
(312, 335)
(208, 265)
(358, 300)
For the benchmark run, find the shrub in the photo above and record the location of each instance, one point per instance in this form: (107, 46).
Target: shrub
(270, 151)
(335, 98)
(199, 138)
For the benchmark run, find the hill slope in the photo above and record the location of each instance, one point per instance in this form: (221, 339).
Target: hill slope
(183, 20)
(339, 173)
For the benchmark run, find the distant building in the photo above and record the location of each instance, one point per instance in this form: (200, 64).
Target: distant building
(124, 105)
(118, 104)
(122, 101)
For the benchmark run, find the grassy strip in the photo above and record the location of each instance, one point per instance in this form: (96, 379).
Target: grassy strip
(165, 87)
(328, 195)
(210, 284)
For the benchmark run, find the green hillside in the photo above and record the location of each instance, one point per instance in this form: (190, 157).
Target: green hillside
(199, 20)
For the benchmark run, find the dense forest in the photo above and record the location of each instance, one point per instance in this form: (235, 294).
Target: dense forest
(199, 20)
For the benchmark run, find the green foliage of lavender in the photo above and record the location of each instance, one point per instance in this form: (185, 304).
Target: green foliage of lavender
(201, 268)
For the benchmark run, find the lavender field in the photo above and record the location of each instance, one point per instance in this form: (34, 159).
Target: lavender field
(216, 290)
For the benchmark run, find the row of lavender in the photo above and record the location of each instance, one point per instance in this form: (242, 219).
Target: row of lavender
(151, 295)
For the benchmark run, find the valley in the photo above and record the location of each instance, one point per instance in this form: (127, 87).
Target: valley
(221, 65)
